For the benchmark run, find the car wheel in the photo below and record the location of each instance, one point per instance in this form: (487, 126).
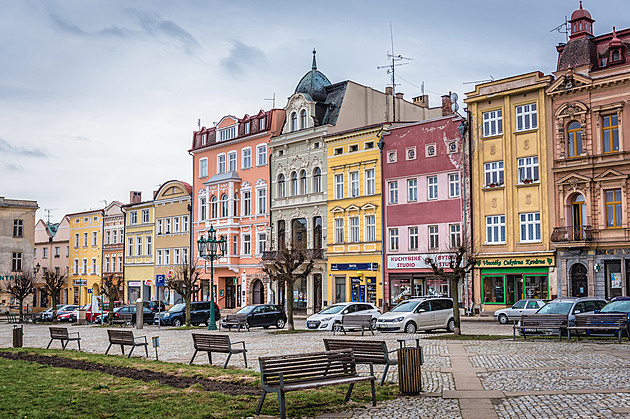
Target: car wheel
(503, 319)
(450, 326)
(280, 323)
(410, 327)
(195, 324)
(177, 323)
(373, 324)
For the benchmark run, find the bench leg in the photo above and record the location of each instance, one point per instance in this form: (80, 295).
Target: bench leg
(209, 358)
(63, 345)
(227, 360)
(283, 411)
(110, 345)
(131, 351)
(362, 331)
(146, 350)
(373, 392)
(260, 402)
(122, 348)
(245, 358)
(350, 391)
(384, 374)
(79, 343)
(193, 357)
(51, 342)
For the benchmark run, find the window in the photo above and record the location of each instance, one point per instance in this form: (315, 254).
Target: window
(247, 158)
(354, 230)
(354, 184)
(85, 239)
(167, 257)
(149, 246)
(247, 244)
(453, 185)
(294, 183)
(106, 263)
(293, 121)
(430, 150)
(224, 205)
(456, 237)
(185, 255)
(369, 145)
(35, 255)
(76, 240)
(412, 190)
(18, 228)
(352, 148)
(214, 211)
(203, 213)
(94, 271)
(393, 192)
(221, 163)
(411, 153)
(413, 238)
(339, 186)
(108, 235)
(130, 246)
(16, 262)
(94, 238)
(57, 251)
(303, 123)
(261, 152)
(492, 123)
(120, 267)
(338, 150)
(281, 186)
(139, 245)
(303, 182)
(262, 242)
(247, 203)
(370, 228)
(185, 223)
(261, 125)
(204, 139)
(495, 229)
(176, 225)
(145, 216)
(574, 139)
(85, 267)
(528, 169)
(393, 239)
(317, 180)
(613, 208)
(76, 267)
(235, 205)
(526, 117)
(246, 128)
(494, 173)
(432, 187)
(159, 258)
(232, 161)
(610, 133)
(227, 133)
(339, 230)
(133, 217)
(45, 253)
(203, 168)
(530, 227)
(176, 259)
(370, 188)
(434, 241)
(262, 201)
(391, 156)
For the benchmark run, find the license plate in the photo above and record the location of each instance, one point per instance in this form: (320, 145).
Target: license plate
(529, 330)
(310, 324)
(381, 326)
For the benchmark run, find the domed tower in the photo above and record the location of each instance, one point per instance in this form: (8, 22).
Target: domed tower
(581, 23)
(314, 83)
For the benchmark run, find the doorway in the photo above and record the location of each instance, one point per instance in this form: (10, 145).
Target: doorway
(230, 296)
(578, 217)
(514, 288)
(317, 291)
(579, 280)
(257, 292)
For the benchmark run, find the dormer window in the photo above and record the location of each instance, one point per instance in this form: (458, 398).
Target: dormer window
(615, 56)
(293, 121)
(204, 139)
(303, 119)
(227, 133)
(246, 127)
(262, 124)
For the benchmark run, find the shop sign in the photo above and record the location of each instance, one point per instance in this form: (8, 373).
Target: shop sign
(79, 282)
(354, 266)
(601, 252)
(148, 282)
(417, 261)
(516, 262)
(134, 283)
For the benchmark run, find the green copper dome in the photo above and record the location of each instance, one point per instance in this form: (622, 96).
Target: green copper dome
(314, 83)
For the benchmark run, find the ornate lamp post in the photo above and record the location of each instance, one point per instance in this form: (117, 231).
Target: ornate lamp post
(212, 249)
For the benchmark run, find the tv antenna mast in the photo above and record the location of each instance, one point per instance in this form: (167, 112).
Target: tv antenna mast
(48, 211)
(479, 81)
(563, 28)
(391, 68)
(273, 101)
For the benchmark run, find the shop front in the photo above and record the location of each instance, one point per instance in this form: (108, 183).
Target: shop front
(410, 276)
(355, 282)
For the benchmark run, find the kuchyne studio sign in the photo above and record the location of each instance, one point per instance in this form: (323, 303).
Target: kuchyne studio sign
(417, 261)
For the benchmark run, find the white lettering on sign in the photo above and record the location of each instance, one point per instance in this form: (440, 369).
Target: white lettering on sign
(417, 261)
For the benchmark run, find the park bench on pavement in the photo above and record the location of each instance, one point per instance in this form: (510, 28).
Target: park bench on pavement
(217, 343)
(536, 323)
(350, 322)
(281, 374)
(236, 320)
(126, 338)
(62, 334)
(600, 322)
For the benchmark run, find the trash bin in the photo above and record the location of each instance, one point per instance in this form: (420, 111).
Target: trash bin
(409, 370)
(18, 334)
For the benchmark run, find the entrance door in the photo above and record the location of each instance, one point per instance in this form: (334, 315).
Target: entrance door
(514, 288)
(229, 293)
(579, 280)
(578, 217)
(257, 292)
(357, 291)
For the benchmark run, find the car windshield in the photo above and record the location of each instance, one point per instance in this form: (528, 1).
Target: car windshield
(405, 306)
(622, 306)
(556, 308)
(177, 307)
(246, 310)
(334, 309)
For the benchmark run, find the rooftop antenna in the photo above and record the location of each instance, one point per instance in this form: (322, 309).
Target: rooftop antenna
(199, 124)
(391, 68)
(48, 211)
(273, 101)
(563, 28)
(479, 81)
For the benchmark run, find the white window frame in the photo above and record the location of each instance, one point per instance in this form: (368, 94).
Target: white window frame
(232, 165)
(148, 242)
(492, 123)
(370, 228)
(94, 238)
(185, 224)
(455, 235)
(394, 244)
(355, 229)
(133, 217)
(94, 267)
(261, 242)
(530, 227)
(493, 173)
(159, 257)
(453, 185)
(261, 201)
(262, 125)
(370, 182)
(434, 237)
(246, 245)
(261, 155)
(85, 240)
(432, 188)
(227, 133)
(339, 180)
(146, 216)
(221, 163)
(354, 184)
(495, 229)
(392, 187)
(413, 238)
(246, 158)
(317, 180)
(412, 190)
(139, 245)
(203, 167)
(246, 207)
(339, 230)
(167, 257)
(528, 169)
(526, 117)
(129, 246)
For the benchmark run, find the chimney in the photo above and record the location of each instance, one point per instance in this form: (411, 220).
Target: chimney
(389, 90)
(135, 197)
(422, 101)
(399, 95)
(446, 105)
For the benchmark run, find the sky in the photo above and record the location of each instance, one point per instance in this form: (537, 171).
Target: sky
(99, 98)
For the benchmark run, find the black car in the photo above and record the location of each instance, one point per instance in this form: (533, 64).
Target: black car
(263, 315)
(120, 312)
(154, 306)
(176, 315)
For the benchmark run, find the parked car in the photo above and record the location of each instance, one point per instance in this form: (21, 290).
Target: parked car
(155, 306)
(67, 314)
(263, 315)
(330, 316)
(515, 312)
(46, 315)
(618, 305)
(88, 311)
(418, 314)
(569, 306)
(176, 315)
(119, 312)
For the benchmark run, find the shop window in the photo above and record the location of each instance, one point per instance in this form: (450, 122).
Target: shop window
(493, 289)
(536, 286)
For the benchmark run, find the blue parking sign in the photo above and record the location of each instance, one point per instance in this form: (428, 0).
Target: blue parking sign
(160, 280)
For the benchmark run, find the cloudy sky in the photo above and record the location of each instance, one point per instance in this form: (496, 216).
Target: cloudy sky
(98, 98)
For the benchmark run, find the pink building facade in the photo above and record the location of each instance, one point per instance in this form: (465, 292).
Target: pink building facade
(424, 205)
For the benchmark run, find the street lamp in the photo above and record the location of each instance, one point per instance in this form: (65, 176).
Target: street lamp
(212, 249)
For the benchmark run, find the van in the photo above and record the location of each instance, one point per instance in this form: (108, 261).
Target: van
(176, 315)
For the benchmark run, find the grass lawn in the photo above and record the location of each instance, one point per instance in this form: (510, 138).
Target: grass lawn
(32, 390)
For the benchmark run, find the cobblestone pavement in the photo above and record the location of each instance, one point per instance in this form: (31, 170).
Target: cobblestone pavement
(461, 379)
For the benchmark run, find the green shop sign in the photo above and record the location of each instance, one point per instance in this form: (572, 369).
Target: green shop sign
(516, 262)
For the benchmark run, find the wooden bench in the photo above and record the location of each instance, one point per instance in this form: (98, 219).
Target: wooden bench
(217, 343)
(280, 374)
(354, 322)
(367, 352)
(13, 318)
(235, 320)
(126, 338)
(62, 334)
(532, 323)
(126, 319)
(612, 321)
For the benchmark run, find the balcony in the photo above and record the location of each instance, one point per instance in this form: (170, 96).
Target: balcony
(316, 254)
(572, 234)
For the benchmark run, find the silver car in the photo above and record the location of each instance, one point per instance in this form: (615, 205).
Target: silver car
(515, 312)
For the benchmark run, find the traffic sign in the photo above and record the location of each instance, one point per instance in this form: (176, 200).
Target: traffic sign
(89, 290)
(160, 280)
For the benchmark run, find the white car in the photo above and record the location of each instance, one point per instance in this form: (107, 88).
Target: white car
(328, 317)
(418, 314)
(515, 312)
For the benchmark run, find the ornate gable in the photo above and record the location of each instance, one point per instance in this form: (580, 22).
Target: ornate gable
(569, 81)
(610, 174)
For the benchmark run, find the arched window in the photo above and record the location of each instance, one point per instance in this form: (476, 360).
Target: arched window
(303, 119)
(317, 180)
(303, 182)
(293, 121)
(574, 139)
(224, 205)
(294, 190)
(213, 206)
(281, 188)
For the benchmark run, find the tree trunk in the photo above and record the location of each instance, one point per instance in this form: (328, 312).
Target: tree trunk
(288, 296)
(454, 282)
(22, 310)
(187, 299)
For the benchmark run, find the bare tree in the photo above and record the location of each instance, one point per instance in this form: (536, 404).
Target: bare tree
(54, 283)
(186, 282)
(454, 270)
(289, 265)
(111, 288)
(20, 286)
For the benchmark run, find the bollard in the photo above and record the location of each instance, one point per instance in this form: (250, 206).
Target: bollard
(139, 314)
(18, 334)
(410, 361)
(156, 344)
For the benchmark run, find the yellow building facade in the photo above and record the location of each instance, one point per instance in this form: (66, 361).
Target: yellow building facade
(355, 271)
(511, 191)
(139, 266)
(85, 256)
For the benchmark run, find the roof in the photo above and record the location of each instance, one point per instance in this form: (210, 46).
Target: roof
(223, 177)
(314, 83)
